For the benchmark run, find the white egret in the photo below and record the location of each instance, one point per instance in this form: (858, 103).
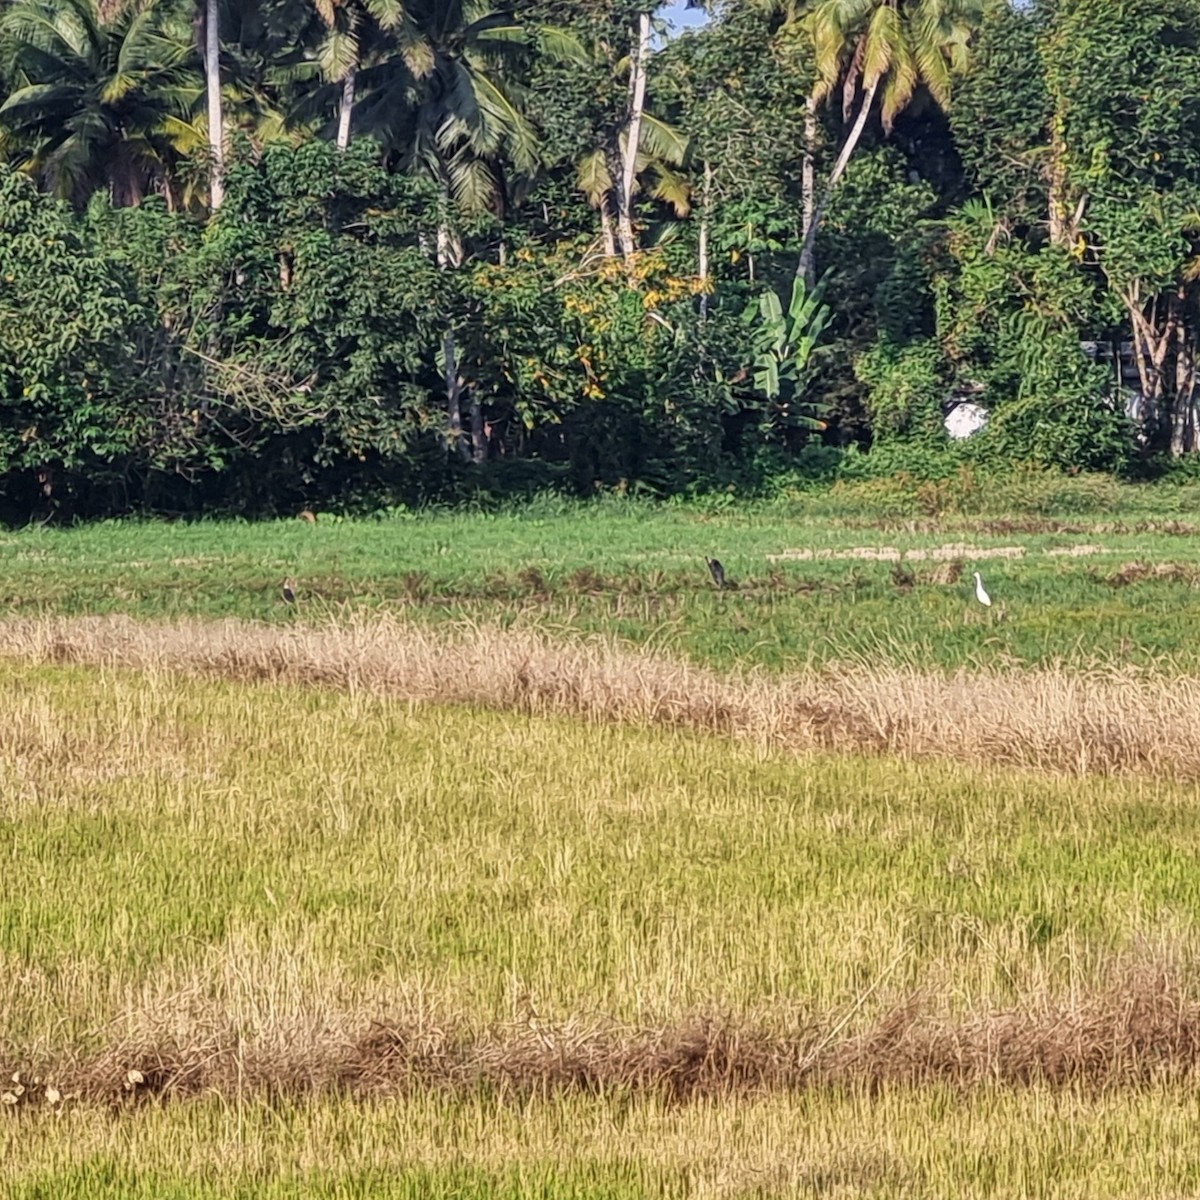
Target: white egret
(981, 593)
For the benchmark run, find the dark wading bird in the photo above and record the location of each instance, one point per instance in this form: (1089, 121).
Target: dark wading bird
(717, 571)
(289, 592)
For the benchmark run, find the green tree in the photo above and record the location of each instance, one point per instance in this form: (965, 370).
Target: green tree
(92, 101)
(69, 404)
(313, 308)
(1001, 114)
(745, 135)
(461, 122)
(878, 53)
(1010, 315)
(454, 106)
(1125, 80)
(605, 125)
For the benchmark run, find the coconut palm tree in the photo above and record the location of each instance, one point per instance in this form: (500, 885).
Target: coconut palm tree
(453, 109)
(600, 176)
(638, 149)
(241, 50)
(91, 102)
(878, 51)
(357, 32)
(454, 106)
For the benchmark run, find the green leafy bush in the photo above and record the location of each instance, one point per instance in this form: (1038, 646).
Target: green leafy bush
(71, 410)
(906, 386)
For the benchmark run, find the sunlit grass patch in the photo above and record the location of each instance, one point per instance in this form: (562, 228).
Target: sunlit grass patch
(269, 939)
(283, 865)
(933, 1142)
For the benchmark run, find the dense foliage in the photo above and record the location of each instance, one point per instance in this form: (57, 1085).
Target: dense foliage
(284, 253)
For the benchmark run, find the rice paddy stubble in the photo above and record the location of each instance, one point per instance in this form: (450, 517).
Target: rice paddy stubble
(1110, 720)
(280, 866)
(998, 1143)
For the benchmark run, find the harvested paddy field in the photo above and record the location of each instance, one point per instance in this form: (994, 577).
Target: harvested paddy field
(403, 933)
(515, 859)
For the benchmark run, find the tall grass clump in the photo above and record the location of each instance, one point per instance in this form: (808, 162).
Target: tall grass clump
(1103, 720)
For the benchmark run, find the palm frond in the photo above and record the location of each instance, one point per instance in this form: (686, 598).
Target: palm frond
(507, 121)
(885, 38)
(338, 53)
(459, 96)
(327, 10)
(672, 189)
(561, 45)
(388, 14)
(471, 182)
(416, 52)
(901, 83)
(662, 140)
(934, 71)
(593, 177)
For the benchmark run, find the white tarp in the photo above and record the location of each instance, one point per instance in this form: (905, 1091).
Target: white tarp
(966, 419)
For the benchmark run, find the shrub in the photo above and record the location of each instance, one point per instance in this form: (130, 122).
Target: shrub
(905, 389)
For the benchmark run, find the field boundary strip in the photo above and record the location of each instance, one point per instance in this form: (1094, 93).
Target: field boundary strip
(1141, 1030)
(947, 553)
(1109, 720)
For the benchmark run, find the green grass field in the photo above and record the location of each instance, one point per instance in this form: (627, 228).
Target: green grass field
(270, 939)
(934, 1143)
(638, 570)
(481, 858)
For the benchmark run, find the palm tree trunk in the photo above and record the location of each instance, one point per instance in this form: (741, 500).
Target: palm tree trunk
(346, 109)
(446, 259)
(212, 83)
(808, 180)
(606, 229)
(702, 249)
(806, 267)
(637, 103)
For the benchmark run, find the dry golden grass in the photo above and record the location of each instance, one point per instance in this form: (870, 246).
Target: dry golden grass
(1142, 1031)
(1106, 720)
(345, 946)
(359, 809)
(1138, 572)
(953, 552)
(262, 849)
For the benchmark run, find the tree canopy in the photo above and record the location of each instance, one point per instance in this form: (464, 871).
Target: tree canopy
(267, 255)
